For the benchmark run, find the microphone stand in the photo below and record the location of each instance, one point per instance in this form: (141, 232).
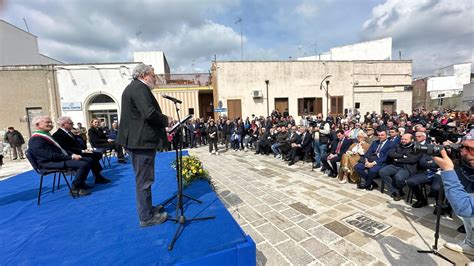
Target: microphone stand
(434, 249)
(180, 217)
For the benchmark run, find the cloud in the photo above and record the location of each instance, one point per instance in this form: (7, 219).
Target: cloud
(102, 31)
(434, 33)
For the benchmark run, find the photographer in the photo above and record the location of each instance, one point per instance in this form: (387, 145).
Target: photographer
(458, 184)
(321, 131)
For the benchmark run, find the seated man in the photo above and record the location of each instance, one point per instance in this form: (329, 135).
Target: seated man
(402, 164)
(98, 139)
(427, 175)
(338, 147)
(374, 160)
(280, 139)
(302, 145)
(263, 142)
(49, 155)
(68, 142)
(285, 146)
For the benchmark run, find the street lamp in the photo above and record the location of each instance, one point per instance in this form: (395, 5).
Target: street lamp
(327, 91)
(268, 105)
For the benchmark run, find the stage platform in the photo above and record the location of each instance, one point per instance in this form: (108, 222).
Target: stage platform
(103, 228)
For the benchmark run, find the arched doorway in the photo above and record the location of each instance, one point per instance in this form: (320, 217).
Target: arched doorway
(104, 108)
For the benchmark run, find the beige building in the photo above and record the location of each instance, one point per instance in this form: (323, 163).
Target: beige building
(366, 86)
(26, 92)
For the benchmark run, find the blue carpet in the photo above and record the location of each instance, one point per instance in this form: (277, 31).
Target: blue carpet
(103, 228)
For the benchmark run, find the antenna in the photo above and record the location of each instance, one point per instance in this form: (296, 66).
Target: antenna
(26, 24)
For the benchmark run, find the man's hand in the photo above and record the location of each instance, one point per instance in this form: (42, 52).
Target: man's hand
(110, 140)
(76, 157)
(444, 162)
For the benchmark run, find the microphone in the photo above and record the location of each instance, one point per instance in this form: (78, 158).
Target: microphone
(171, 98)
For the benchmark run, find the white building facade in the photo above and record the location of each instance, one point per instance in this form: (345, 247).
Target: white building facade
(449, 81)
(18, 47)
(300, 87)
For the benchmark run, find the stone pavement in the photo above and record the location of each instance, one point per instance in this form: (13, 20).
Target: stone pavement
(11, 168)
(294, 215)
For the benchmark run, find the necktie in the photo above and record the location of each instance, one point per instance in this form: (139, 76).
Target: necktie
(338, 149)
(379, 148)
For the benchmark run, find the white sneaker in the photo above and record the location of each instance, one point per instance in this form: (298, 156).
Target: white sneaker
(343, 181)
(278, 156)
(461, 247)
(217, 153)
(210, 153)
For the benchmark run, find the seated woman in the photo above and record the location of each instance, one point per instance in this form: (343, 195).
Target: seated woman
(351, 157)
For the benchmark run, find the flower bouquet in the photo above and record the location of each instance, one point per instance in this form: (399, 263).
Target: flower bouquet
(192, 170)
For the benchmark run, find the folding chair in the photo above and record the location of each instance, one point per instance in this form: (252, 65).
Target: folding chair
(44, 172)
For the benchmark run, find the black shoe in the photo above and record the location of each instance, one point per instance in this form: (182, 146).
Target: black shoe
(102, 180)
(291, 163)
(158, 209)
(461, 229)
(14, 159)
(79, 192)
(122, 161)
(22, 158)
(396, 197)
(158, 218)
(316, 165)
(419, 204)
(332, 175)
(84, 186)
(374, 185)
(323, 169)
(361, 187)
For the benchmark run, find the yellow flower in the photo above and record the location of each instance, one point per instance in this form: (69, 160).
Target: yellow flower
(200, 171)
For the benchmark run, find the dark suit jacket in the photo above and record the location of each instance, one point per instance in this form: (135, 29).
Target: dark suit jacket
(345, 145)
(404, 157)
(96, 137)
(306, 141)
(67, 142)
(383, 154)
(142, 124)
(45, 152)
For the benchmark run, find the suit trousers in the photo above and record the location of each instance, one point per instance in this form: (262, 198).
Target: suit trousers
(17, 150)
(368, 175)
(143, 162)
(94, 160)
(82, 168)
(330, 164)
(395, 177)
(416, 180)
(213, 143)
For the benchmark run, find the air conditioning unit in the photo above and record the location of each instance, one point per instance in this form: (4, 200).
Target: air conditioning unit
(257, 94)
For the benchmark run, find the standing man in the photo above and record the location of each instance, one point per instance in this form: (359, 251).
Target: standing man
(15, 139)
(320, 139)
(142, 133)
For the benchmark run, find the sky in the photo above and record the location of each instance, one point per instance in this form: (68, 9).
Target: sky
(432, 33)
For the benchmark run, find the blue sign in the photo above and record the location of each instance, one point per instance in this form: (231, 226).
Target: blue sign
(220, 110)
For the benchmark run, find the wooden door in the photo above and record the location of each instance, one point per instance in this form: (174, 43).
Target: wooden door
(336, 104)
(281, 104)
(234, 109)
(388, 106)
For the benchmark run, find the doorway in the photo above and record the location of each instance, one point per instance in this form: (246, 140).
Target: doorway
(281, 104)
(234, 109)
(389, 106)
(32, 112)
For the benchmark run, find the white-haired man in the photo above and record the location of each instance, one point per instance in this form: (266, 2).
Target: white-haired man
(142, 133)
(50, 155)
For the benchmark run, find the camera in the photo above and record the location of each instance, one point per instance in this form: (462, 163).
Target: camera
(443, 133)
(435, 150)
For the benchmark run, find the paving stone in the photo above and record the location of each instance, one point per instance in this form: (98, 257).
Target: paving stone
(352, 252)
(339, 228)
(332, 258)
(233, 199)
(315, 247)
(280, 207)
(278, 220)
(267, 255)
(344, 209)
(308, 224)
(402, 234)
(290, 213)
(259, 222)
(249, 214)
(298, 218)
(257, 238)
(302, 208)
(358, 238)
(368, 202)
(271, 233)
(294, 253)
(262, 208)
(250, 199)
(324, 235)
(269, 199)
(297, 234)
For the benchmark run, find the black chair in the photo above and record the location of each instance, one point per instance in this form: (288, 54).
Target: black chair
(44, 172)
(106, 153)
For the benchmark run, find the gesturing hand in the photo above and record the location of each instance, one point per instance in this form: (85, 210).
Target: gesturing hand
(444, 162)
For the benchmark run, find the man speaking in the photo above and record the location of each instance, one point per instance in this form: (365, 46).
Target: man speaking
(142, 132)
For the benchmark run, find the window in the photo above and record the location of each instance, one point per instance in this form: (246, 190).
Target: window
(357, 105)
(310, 106)
(336, 104)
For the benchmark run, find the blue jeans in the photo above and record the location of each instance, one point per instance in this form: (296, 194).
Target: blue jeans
(394, 177)
(276, 148)
(320, 150)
